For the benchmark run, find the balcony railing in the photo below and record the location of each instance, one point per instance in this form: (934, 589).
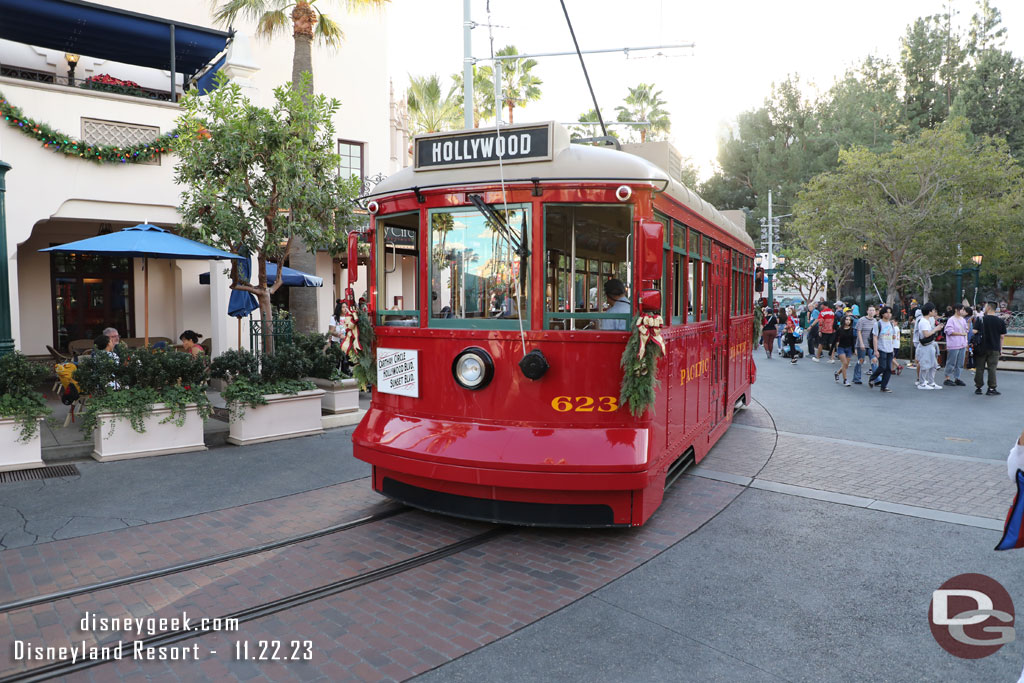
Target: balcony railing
(83, 83)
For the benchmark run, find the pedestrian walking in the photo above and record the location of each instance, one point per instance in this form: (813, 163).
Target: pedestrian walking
(812, 328)
(885, 334)
(791, 339)
(956, 346)
(988, 344)
(826, 330)
(926, 329)
(844, 345)
(769, 331)
(865, 344)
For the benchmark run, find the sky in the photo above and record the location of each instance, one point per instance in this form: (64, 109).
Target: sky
(742, 47)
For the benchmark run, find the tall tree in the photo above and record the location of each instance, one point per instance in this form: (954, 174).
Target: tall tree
(258, 180)
(644, 103)
(430, 110)
(932, 59)
(307, 24)
(518, 84)
(992, 98)
(909, 208)
(483, 93)
(589, 116)
(864, 107)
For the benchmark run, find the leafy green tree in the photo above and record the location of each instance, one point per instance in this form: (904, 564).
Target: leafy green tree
(992, 98)
(864, 107)
(932, 59)
(804, 270)
(430, 109)
(644, 103)
(518, 84)
(306, 23)
(258, 180)
(910, 207)
(483, 93)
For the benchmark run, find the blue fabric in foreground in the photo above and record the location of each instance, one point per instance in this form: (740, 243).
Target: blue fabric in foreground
(1015, 520)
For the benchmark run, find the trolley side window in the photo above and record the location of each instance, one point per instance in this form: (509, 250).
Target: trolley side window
(398, 268)
(705, 279)
(585, 246)
(679, 273)
(693, 276)
(477, 280)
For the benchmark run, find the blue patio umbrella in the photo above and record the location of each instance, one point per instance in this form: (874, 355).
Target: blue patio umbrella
(144, 241)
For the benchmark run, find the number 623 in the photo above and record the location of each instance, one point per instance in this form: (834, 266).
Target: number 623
(585, 404)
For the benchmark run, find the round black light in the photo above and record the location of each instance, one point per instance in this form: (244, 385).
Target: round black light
(473, 368)
(534, 365)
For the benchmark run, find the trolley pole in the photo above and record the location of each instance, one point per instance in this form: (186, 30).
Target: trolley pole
(467, 64)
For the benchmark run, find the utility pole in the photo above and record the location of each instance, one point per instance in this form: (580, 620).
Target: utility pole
(771, 254)
(467, 64)
(6, 342)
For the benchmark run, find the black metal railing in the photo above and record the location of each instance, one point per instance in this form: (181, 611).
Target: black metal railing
(82, 83)
(279, 330)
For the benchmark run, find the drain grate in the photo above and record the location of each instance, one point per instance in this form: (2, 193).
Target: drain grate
(50, 472)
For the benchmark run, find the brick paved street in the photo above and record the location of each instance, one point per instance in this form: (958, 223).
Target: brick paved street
(456, 611)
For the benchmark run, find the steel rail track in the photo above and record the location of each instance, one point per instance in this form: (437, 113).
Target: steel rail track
(56, 669)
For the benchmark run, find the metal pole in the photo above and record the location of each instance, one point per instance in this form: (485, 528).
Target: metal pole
(627, 50)
(497, 93)
(467, 64)
(174, 90)
(771, 256)
(959, 285)
(6, 341)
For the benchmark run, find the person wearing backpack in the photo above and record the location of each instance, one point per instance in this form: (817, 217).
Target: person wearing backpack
(865, 343)
(886, 332)
(989, 331)
(826, 329)
(926, 330)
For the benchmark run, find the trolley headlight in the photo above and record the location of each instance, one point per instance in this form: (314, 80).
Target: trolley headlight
(473, 368)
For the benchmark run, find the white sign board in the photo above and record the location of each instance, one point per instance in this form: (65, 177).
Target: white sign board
(398, 372)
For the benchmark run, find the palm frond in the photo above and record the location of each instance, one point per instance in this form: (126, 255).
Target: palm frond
(229, 12)
(328, 31)
(271, 23)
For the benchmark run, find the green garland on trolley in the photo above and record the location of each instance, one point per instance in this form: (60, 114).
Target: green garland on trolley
(68, 145)
(640, 364)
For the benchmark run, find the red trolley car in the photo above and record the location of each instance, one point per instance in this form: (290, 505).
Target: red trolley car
(478, 264)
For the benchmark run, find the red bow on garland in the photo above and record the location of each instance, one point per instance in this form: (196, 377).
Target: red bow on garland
(649, 327)
(350, 323)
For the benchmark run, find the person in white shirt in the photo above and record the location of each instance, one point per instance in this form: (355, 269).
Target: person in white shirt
(1015, 461)
(925, 331)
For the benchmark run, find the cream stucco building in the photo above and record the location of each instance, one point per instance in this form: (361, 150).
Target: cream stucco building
(53, 199)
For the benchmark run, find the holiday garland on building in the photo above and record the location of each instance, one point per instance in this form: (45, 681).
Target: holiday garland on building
(73, 147)
(640, 363)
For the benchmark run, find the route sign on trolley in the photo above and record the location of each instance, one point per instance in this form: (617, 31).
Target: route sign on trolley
(398, 372)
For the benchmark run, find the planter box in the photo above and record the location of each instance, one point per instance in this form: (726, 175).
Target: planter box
(15, 455)
(284, 417)
(339, 397)
(158, 439)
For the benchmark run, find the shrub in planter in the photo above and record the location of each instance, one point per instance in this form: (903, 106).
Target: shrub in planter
(107, 83)
(325, 361)
(132, 382)
(19, 398)
(250, 379)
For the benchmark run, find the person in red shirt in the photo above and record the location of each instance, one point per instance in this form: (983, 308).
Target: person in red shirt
(826, 323)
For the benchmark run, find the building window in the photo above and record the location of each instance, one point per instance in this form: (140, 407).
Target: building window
(351, 158)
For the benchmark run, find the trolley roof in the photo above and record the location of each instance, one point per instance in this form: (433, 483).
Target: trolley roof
(569, 162)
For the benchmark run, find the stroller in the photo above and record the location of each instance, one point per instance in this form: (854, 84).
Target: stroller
(791, 347)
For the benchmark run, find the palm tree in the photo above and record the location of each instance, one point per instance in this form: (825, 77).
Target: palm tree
(483, 93)
(644, 104)
(589, 116)
(518, 85)
(307, 24)
(429, 111)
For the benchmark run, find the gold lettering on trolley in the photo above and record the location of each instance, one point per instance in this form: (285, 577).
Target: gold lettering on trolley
(740, 349)
(694, 371)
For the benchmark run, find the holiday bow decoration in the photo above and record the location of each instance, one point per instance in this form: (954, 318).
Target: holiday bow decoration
(649, 327)
(350, 322)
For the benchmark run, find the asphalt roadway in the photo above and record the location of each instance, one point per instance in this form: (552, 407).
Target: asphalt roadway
(774, 587)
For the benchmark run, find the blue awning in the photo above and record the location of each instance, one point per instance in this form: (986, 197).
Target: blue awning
(90, 29)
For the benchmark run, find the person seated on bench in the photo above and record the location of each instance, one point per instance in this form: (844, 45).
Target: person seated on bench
(190, 342)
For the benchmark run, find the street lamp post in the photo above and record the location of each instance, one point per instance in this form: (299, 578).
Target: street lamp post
(72, 60)
(975, 270)
(6, 341)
